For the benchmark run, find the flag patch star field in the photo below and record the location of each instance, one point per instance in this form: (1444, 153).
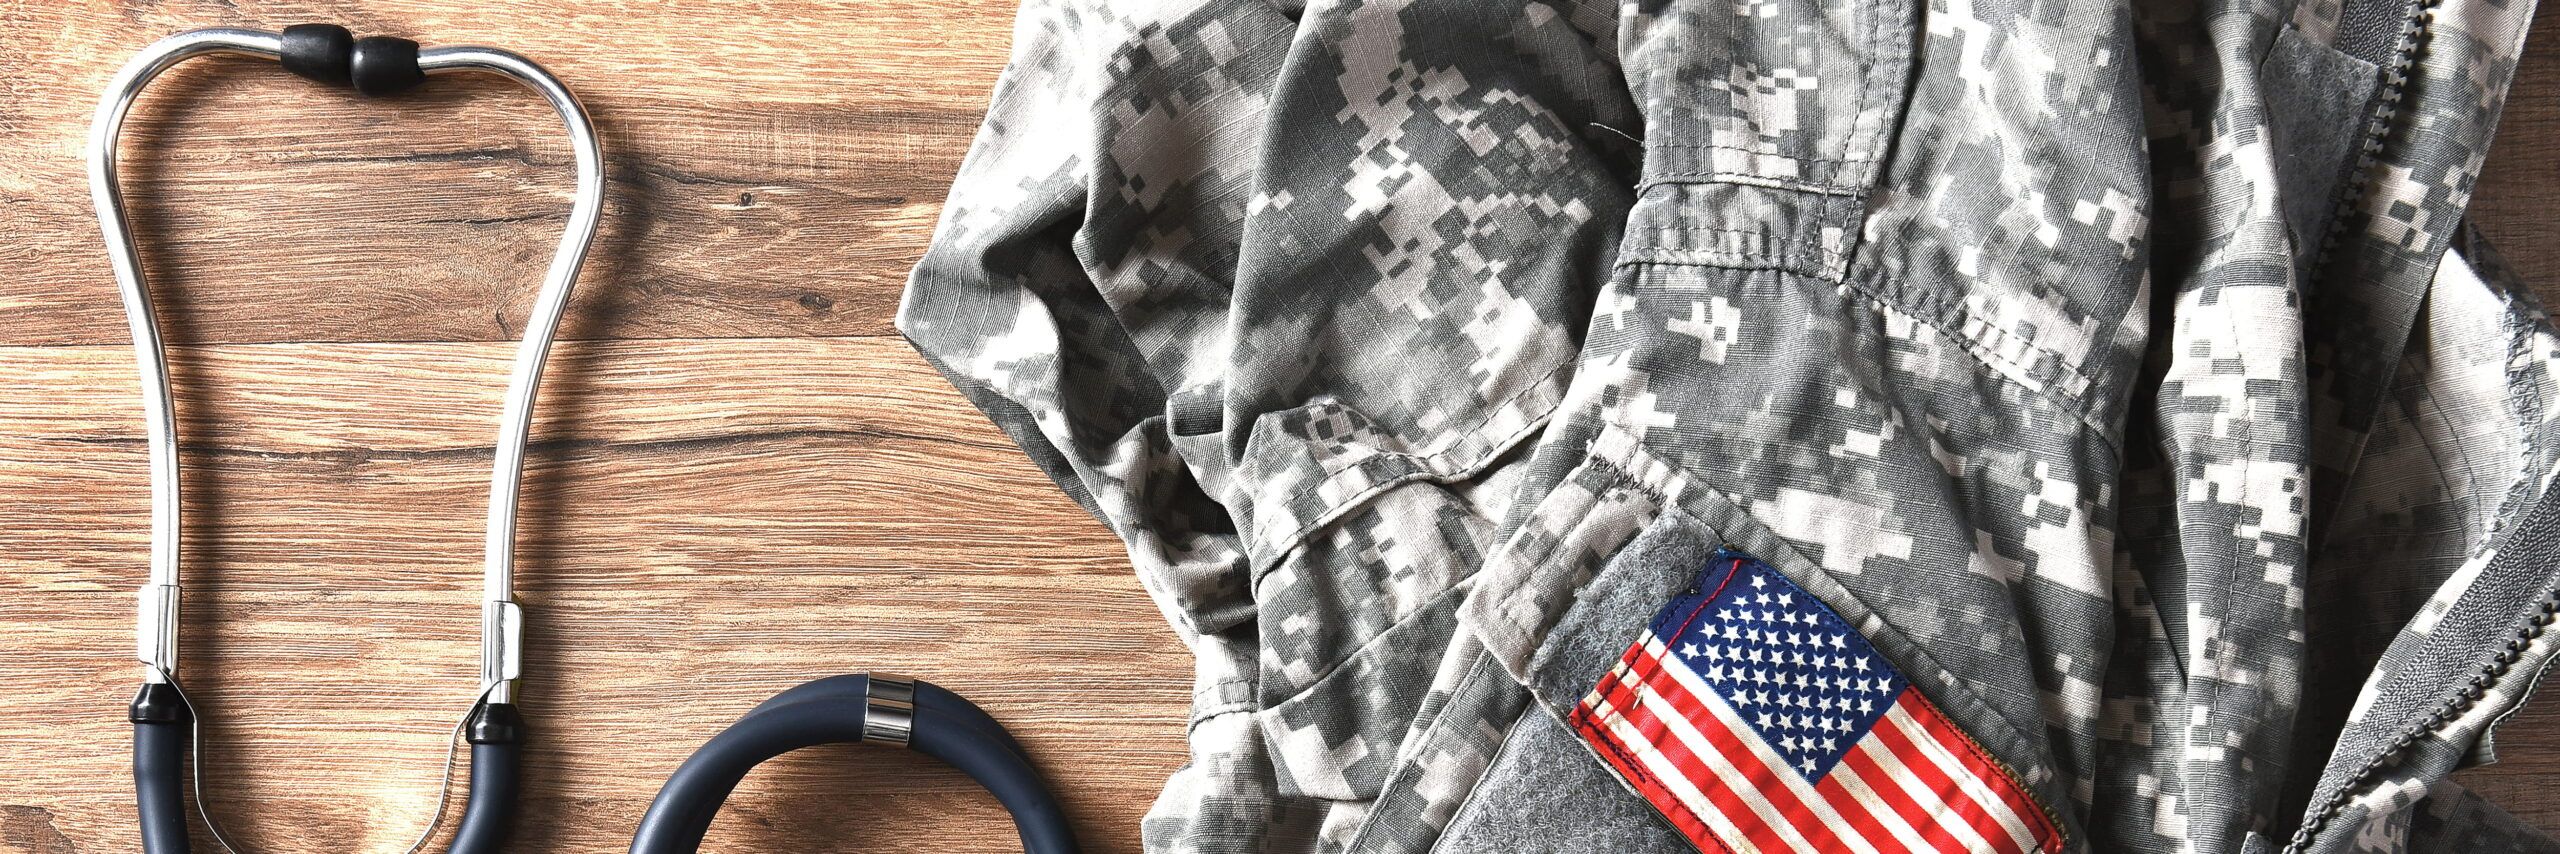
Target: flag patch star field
(1757, 719)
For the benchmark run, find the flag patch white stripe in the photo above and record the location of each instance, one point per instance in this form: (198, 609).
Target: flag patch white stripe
(1756, 718)
(1799, 790)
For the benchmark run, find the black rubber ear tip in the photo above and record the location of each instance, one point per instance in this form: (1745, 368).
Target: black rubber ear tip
(318, 52)
(382, 65)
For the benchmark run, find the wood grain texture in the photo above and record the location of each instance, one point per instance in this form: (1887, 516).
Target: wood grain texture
(741, 478)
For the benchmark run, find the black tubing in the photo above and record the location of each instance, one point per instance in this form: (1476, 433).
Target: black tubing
(683, 810)
(952, 707)
(162, 727)
(382, 65)
(496, 733)
(322, 53)
(853, 688)
(159, 784)
(945, 730)
(831, 711)
(327, 53)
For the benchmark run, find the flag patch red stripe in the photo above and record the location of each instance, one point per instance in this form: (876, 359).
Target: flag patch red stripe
(1756, 719)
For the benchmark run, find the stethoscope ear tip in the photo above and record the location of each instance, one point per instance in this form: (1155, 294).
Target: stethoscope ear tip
(321, 53)
(328, 53)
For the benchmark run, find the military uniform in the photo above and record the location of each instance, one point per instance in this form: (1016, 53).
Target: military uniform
(2122, 375)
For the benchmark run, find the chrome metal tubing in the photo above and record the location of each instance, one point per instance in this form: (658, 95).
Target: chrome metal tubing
(156, 642)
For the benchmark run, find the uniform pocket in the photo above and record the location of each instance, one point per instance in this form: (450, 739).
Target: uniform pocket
(1801, 94)
(1814, 726)
(1341, 737)
(1358, 615)
(1767, 124)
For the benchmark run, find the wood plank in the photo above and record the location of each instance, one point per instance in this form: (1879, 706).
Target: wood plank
(2528, 749)
(2513, 201)
(433, 397)
(333, 563)
(775, 167)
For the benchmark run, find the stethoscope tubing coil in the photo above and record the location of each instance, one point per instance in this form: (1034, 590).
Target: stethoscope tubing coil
(834, 710)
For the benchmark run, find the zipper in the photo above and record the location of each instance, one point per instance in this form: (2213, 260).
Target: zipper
(2533, 542)
(2482, 679)
(2416, 18)
(2451, 709)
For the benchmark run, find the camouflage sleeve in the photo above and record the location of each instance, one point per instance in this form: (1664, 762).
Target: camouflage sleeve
(1286, 333)
(1077, 290)
(1079, 276)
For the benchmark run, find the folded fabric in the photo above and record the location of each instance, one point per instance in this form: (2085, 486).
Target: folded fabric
(2119, 377)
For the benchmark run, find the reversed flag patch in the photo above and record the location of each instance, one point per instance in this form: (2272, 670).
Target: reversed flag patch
(1756, 719)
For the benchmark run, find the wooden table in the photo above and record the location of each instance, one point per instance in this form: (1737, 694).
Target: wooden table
(742, 477)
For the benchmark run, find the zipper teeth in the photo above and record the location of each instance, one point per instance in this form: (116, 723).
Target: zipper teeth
(2378, 125)
(2452, 708)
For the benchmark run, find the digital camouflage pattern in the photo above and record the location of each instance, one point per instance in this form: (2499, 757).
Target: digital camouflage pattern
(2124, 371)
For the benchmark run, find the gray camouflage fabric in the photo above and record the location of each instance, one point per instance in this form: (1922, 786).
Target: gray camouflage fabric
(2125, 371)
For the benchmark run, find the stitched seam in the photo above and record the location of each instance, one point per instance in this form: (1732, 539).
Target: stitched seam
(1424, 470)
(1763, 235)
(2025, 378)
(1212, 688)
(1784, 248)
(1921, 305)
(1203, 716)
(1756, 152)
(1818, 267)
(2047, 826)
(1393, 787)
(1866, 84)
(1747, 179)
(1745, 254)
(1766, 262)
(1592, 735)
(2002, 367)
(1763, 152)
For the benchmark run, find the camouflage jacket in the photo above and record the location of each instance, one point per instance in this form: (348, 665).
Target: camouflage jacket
(2123, 374)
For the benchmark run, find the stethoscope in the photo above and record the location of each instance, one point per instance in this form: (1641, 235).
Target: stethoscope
(870, 708)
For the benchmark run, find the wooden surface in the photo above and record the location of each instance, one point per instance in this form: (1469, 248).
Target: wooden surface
(742, 480)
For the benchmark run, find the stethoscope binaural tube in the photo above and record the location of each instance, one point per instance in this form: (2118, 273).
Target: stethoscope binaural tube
(164, 720)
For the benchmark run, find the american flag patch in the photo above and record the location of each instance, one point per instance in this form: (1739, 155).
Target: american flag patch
(1756, 719)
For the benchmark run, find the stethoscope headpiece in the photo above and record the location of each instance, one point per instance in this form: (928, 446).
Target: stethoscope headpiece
(165, 722)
